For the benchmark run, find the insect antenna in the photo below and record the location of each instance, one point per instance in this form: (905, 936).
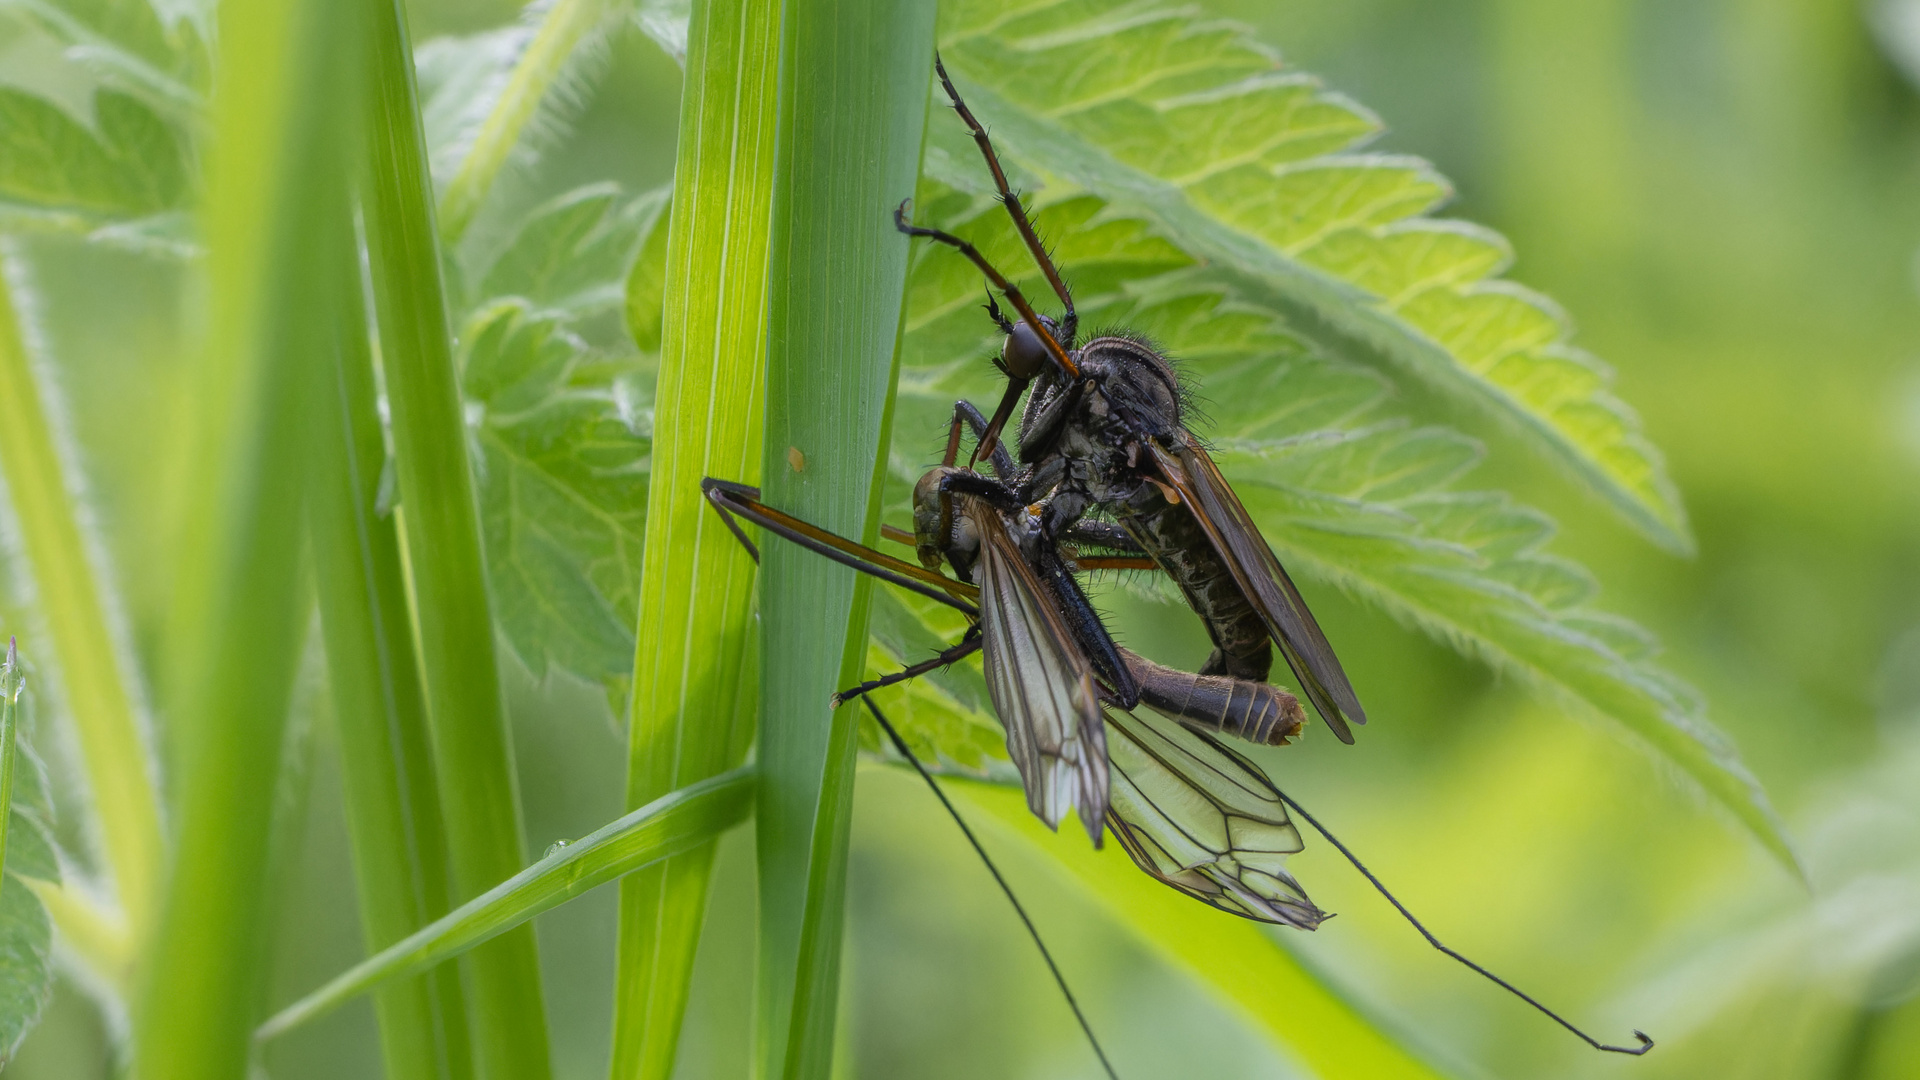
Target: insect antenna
(1646, 1043)
(1011, 199)
(1033, 932)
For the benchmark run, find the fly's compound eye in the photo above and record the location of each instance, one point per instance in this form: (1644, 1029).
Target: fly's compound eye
(1024, 354)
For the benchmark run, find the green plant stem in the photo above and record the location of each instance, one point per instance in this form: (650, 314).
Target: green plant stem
(280, 243)
(692, 712)
(10, 682)
(669, 825)
(472, 748)
(562, 28)
(854, 82)
(112, 751)
(393, 800)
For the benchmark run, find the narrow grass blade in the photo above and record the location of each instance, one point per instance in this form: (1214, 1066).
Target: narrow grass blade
(854, 83)
(280, 242)
(393, 800)
(669, 825)
(1233, 958)
(691, 710)
(472, 749)
(564, 25)
(92, 678)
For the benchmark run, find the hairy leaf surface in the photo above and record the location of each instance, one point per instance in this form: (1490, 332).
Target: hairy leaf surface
(1190, 125)
(563, 488)
(1345, 491)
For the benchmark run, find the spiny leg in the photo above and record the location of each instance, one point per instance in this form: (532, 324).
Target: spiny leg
(900, 745)
(1007, 288)
(1011, 199)
(967, 647)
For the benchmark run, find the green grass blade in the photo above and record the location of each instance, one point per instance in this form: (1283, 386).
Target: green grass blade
(683, 819)
(689, 703)
(472, 748)
(564, 25)
(92, 679)
(855, 77)
(1233, 958)
(280, 241)
(393, 800)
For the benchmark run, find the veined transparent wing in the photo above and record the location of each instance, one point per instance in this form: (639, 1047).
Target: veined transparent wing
(1203, 819)
(1041, 685)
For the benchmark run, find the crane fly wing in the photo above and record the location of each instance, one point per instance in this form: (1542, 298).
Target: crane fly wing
(1042, 687)
(1265, 582)
(1204, 820)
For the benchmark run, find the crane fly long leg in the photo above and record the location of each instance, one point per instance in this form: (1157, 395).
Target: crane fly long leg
(1033, 932)
(730, 498)
(1008, 197)
(1646, 1042)
(1012, 292)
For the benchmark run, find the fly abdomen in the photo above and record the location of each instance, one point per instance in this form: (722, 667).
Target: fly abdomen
(1254, 711)
(1168, 532)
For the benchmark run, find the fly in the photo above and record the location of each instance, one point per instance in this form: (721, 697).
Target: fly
(1102, 433)
(1189, 811)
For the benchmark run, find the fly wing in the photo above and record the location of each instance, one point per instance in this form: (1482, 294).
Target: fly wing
(1042, 688)
(1204, 820)
(1265, 582)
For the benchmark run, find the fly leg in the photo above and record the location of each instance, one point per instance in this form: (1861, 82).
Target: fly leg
(1011, 200)
(968, 646)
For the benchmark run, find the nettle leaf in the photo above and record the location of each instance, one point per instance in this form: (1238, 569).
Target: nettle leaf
(159, 56)
(573, 253)
(1343, 491)
(26, 933)
(564, 440)
(130, 163)
(1189, 124)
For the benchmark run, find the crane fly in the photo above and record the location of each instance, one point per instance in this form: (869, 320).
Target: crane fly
(1102, 432)
(1102, 435)
(1191, 812)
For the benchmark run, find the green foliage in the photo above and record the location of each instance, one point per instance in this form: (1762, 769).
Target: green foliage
(853, 76)
(663, 828)
(1197, 192)
(697, 295)
(453, 612)
(1233, 958)
(1189, 124)
(129, 165)
(563, 490)
(1345, 491)
(26, 936)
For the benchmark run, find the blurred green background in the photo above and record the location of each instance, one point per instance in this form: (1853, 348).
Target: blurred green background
(1723, 194)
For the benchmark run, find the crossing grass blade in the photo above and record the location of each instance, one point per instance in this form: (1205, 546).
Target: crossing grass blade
(92, 677)
(854, 83)
(393, 800)
(280, 242)
(691, 714)
(441, 530)
(669, 825)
